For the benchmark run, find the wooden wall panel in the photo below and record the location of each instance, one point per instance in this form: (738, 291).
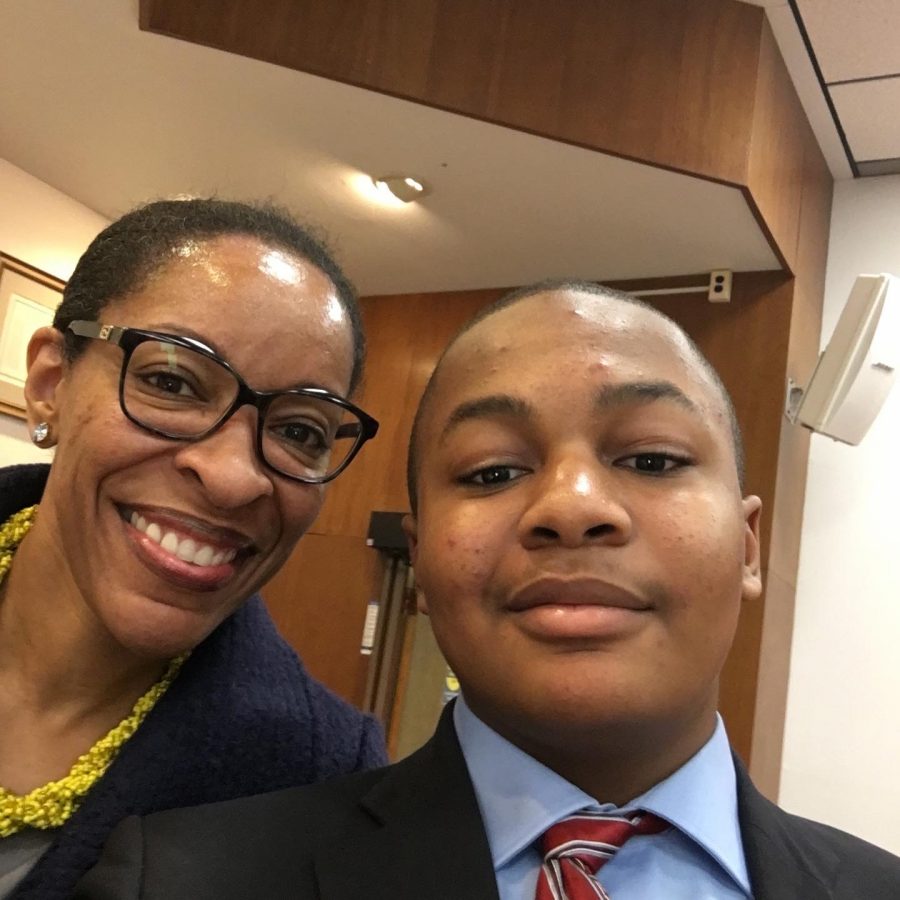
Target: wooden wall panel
(407, 333)
(318, 601)
(698, 86)
(790, 483)
(668, 83)
(773, 670)
(779, 137)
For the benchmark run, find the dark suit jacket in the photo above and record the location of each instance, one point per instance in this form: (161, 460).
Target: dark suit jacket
(412, 831)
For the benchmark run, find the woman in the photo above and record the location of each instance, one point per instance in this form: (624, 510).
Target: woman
(193, 385)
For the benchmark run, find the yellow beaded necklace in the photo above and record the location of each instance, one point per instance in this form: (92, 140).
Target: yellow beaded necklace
(50, 805)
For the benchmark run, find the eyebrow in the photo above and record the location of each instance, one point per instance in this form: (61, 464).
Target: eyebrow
(609, 397)
(486, 408)
(177, 330)
(640, 392)
(181, 331)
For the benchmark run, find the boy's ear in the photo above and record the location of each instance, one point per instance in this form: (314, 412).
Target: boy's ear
(410, 529)
(46, 370)
(752, 581)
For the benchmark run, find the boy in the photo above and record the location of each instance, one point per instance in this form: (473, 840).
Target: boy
(583, 548)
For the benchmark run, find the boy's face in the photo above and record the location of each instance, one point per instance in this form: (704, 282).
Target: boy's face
(581, 542)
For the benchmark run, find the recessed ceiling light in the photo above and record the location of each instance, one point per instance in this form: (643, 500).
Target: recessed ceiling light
(403, 187)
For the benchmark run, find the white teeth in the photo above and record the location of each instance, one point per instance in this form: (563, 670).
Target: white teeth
(138, 521)
(204, 556)
(185, 549)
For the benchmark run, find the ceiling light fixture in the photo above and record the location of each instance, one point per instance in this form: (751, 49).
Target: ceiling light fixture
(403, 187)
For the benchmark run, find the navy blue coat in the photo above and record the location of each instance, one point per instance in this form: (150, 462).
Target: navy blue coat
(243, 717)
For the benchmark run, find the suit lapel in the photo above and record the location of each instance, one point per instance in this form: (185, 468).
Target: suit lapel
(782, 864)
(429, 840)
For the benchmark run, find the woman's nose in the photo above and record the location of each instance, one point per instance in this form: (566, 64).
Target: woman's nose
(227, 464)
(577, 500)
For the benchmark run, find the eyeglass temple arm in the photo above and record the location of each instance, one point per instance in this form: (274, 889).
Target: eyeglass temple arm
(83, 328)
(352, 429)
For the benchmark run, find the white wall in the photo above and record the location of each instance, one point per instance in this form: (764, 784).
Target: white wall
(49, 230)
(841, 762)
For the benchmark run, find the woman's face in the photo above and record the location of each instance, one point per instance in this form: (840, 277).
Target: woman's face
(123, 505)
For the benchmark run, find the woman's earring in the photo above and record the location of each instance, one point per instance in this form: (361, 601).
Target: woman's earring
(41, 433)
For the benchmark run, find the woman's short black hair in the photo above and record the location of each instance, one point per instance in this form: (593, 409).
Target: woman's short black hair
(124, 255)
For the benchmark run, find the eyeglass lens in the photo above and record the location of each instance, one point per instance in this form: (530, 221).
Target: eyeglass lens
(183, 393)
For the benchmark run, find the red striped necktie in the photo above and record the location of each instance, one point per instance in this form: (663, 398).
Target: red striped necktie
(575, 849)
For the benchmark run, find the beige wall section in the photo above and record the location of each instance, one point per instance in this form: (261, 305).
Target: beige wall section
(15, 446)
(42, 226)
(48, 230)
(421, 702)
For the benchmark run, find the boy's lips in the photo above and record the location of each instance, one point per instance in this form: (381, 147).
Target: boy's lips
(575, 591)
(580, 609)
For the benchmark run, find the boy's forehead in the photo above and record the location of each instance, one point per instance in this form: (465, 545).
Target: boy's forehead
(565, 339)
(566, 348)
(584, 328)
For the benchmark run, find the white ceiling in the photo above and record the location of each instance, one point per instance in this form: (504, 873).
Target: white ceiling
(111, 116)
(844, 58)
(856, 47)
(807, 84)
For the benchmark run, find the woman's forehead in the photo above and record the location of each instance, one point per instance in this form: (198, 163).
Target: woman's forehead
(258, 310)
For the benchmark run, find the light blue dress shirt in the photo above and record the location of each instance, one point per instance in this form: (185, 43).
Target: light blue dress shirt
(701, 858)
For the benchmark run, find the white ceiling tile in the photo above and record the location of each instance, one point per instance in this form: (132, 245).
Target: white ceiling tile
(853, 38)
(809, 89)
(868, 111)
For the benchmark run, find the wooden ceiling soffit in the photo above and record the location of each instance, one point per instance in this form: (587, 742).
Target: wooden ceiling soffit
(696, 87)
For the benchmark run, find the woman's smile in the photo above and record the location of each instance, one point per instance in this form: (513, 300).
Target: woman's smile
(181, 554)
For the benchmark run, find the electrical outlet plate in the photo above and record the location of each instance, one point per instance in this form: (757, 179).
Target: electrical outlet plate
(720, 286)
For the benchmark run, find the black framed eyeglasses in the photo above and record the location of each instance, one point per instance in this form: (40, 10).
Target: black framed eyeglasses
(178, 388)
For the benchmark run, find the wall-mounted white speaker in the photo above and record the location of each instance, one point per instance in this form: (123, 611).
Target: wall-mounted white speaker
(858, 367)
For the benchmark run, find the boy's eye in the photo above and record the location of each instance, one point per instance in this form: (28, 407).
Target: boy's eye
(653, 463)
(491, 476)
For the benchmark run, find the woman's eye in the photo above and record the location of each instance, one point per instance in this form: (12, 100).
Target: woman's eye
(492, 476)
(653, 463)
(304, 436)
(167, 383)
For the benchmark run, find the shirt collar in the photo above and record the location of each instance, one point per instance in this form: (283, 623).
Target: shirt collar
(520, 798)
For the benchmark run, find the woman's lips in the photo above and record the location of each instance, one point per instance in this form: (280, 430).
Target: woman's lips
(186, 561)
(185, 526)
(197, 551)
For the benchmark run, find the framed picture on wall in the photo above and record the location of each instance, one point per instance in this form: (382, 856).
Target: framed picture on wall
(28, 299)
